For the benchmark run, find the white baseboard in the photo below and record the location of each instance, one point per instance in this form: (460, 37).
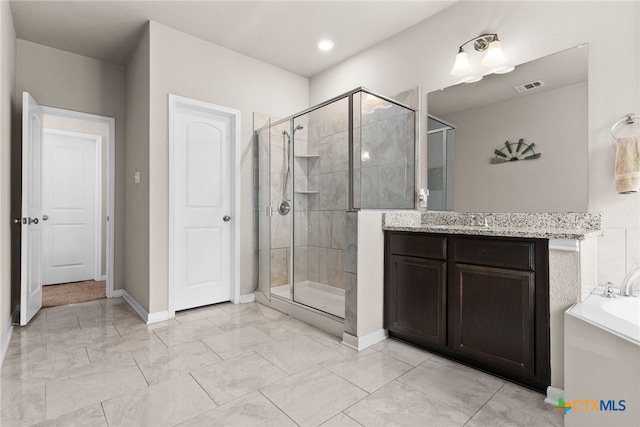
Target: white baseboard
(6, 339)
(117, 293)
(360, 343)
(147, 317)
(247, 298)
(553, 395)
(158, 316)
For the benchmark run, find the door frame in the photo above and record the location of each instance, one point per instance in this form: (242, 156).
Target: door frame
(176, 101)
(111, 183)
(97, 140)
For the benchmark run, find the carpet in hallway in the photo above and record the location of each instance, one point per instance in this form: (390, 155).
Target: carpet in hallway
(72, 293)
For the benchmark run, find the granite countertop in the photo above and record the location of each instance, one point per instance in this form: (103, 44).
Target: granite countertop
(570, 226)
(532, 233)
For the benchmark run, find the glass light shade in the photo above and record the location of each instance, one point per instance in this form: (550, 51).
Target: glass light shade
(494, 55)
(462, 66)
(504, 70)
(471, 79)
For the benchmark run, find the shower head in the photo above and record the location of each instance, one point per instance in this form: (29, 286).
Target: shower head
(299, 127)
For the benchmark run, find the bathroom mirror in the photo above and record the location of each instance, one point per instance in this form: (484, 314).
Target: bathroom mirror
(542, 104)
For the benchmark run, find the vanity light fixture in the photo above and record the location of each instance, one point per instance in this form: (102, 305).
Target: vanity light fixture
(493, 58)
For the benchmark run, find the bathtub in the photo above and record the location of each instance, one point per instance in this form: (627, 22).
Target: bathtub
(602, 361)
(620, 315)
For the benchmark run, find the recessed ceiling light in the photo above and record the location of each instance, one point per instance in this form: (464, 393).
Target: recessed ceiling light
(325, 45)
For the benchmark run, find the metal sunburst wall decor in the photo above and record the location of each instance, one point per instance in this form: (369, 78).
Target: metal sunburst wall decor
(516, 151)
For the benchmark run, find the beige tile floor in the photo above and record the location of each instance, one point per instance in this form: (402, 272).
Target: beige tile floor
(98, 364)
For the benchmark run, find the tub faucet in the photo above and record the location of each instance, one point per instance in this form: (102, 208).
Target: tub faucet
(628, 285)
(608, 291)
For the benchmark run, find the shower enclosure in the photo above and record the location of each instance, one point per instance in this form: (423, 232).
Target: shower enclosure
(440, 163)
(314, 171)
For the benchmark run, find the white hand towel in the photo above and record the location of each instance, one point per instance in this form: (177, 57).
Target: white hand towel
(627, 175)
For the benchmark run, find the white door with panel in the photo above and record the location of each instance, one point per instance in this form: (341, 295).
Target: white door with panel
(70, 188)
(31, 228)
(200, 175)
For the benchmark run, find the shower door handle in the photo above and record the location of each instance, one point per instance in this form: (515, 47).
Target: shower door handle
(226, 218)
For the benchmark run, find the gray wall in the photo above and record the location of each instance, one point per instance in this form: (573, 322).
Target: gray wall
(7, 79)
(137, 160)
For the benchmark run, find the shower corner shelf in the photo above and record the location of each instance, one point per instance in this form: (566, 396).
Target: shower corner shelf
(306, 191)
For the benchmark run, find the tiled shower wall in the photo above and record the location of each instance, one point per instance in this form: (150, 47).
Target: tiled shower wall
(387, 152)
(326, 210)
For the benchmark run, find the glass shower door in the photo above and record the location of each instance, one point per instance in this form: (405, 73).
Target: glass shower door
(264, 210)
(384, 154)
(321, 154)
(440, 172)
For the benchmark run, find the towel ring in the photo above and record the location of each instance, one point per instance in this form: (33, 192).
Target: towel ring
(627, 120)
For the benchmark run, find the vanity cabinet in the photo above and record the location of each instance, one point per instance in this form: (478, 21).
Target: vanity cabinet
(416, 294)
(481, 300)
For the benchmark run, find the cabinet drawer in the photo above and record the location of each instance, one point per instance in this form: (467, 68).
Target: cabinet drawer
(507, 253)
(417, 245)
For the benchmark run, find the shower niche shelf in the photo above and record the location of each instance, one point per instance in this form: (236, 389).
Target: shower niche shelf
(306, 157)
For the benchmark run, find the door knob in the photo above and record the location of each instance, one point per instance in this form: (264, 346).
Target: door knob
(226, 218)
(17, 220)
(33, 220)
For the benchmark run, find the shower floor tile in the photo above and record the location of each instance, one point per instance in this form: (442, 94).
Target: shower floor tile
(317, 295)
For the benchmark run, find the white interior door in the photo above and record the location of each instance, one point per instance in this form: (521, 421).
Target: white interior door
(31, 239)
(201, 206)
(70, 189)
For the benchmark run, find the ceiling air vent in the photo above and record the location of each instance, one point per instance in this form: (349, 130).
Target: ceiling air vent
(529, 86)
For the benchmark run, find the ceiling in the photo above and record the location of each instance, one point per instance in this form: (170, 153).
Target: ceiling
(282, 33)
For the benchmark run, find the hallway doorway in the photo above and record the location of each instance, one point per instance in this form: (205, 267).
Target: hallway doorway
(73, 201)
(70, 179)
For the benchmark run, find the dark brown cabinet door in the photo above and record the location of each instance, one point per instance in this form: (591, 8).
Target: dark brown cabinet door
(492, 316)
(415, 295)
